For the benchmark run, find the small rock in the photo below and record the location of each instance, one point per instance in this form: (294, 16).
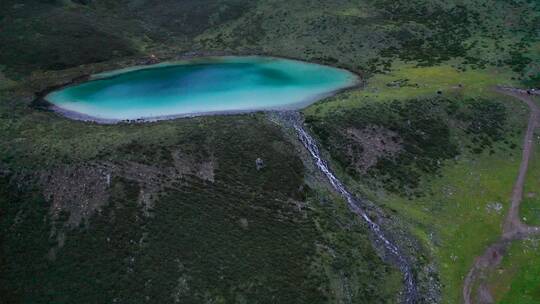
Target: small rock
(494, 207)
(244, 223)
(259, 163)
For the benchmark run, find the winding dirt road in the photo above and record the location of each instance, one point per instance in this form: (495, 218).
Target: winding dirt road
(514, 228)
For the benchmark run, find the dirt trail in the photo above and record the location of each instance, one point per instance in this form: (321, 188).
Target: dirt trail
(513, 225)
(514, 228)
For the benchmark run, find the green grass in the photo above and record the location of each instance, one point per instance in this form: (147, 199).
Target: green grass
(381, 31)
(452, 208)
(530, 206)
(406, 81)
(516, 280)
(455, 219)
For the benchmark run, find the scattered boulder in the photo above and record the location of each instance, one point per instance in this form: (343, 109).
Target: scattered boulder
(152, 59)
(259, 164)
(244, 223)
(495, 207)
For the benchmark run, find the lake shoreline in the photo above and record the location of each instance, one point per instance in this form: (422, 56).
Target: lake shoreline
(40, 102)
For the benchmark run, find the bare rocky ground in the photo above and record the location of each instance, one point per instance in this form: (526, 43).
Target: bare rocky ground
(376, 142)
(513, 228)
(82, 190)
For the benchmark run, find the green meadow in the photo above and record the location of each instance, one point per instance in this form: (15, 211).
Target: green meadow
(462, 203)
(516, 279)
(530, 206)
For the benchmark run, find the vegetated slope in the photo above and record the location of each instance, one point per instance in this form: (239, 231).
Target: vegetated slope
(510, 276)
(413, 138)
(444, 162)
(174, 212)
(530, 206)
(516, 279)
(362, 35)
(314, 253)
(39, 34)
(51, 35)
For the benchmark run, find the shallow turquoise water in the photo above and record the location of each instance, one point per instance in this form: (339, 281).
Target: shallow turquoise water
(226, 84)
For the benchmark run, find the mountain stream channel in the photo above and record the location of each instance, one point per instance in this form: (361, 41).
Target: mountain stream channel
(391, 251)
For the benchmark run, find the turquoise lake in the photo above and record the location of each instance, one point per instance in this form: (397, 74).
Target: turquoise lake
(202, 86)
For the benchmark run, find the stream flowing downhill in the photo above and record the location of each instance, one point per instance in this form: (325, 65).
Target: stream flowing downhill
(410, 289)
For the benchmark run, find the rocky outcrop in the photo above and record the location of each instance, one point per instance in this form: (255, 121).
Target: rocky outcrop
(259, 164)
(376, 142)
(81, 190)
(76, 190)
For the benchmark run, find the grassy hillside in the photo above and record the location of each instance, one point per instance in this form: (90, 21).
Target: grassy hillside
(516, 279)
(362, 35)
(438, 149)
(176, 211)
(530, 206)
